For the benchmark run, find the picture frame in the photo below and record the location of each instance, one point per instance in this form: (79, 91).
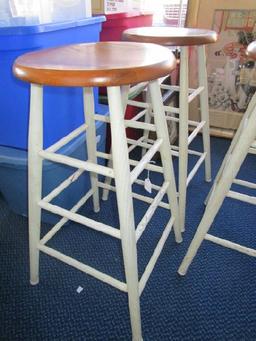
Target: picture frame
(231, 76)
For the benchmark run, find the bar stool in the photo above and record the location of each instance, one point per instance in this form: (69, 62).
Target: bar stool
(184, 37)
(114, 65)
(242, 144)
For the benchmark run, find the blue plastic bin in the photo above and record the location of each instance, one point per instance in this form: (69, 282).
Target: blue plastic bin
(63, 106)
(13, 174)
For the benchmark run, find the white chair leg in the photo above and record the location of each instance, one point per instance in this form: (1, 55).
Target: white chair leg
(204, 106)
(124, 93)
(246, 115)
(125, 206)
(162, 132)
(89, 113)
(183, 134)
(230, 170)
(35, 144)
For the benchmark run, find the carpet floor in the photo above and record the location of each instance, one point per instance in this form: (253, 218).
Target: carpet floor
(215, 301)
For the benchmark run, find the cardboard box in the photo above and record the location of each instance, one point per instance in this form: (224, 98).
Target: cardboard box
(121, 6)
(143, 6)
(110, 6)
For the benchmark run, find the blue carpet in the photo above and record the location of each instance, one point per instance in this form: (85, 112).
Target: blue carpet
(215, 301)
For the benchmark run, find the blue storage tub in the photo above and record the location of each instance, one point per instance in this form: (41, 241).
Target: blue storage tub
(63, 106)
(13, 174)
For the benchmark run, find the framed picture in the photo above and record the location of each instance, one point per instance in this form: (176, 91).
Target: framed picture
(231, 76)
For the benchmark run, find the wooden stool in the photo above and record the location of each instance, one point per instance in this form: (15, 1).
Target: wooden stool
(242, 143)
(184, 37)
(114, 65)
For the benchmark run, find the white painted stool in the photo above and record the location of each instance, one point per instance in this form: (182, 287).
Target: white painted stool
(184, 37)
(114, 65)
(242, 144)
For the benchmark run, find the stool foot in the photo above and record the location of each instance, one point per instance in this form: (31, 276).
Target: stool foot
(179, 240)
(105, 194)
(181, 273)
(32, 282)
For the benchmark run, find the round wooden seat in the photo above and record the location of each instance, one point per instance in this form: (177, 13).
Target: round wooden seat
(251, 50)
(95, 64)
(170, 36)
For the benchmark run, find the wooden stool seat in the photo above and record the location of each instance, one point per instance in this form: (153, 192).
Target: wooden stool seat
(251, 50)
(96, 64)
(170, 36)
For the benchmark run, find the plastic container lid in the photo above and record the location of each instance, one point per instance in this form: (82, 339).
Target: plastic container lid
(34, 29)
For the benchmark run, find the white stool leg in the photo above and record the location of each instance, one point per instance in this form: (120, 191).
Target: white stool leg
(89, 113)
(230, 170)
(204, 106)
(35, 144)
(183, 134)
(162, 132)
(125, 206)
(147, 120)
(248, 112)
(124, 93)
